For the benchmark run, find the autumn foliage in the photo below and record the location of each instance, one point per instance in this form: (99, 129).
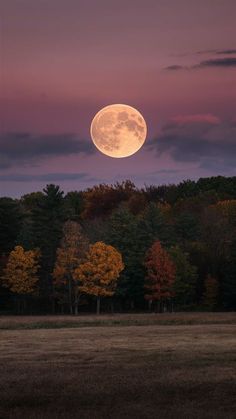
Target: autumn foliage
(195, 222)
(70, 254)
(160, 274)
(20, 274)
(99, 273)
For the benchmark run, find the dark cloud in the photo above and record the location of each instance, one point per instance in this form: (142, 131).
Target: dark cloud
(225, 62)
(48, 177)
(228, 51)
(217, 62)
(175, 68)
(209, 145)
(25, 148)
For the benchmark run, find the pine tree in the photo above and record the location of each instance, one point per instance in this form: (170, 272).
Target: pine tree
(186, 278)
(47, 221)
(10, 223)
(228, 281)
(123, 234)
(211, 294)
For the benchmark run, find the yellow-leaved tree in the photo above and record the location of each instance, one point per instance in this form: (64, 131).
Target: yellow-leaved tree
(20, 274)
(70, 255)
(99, 273)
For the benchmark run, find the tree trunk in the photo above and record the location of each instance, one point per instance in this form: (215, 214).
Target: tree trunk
(18, 302)
(150, 305)
(76, 301)
(76, 308)
(132, 304)
(70, 296)
(112, 307)
(24, 304)
(98, 304)
(53, 300)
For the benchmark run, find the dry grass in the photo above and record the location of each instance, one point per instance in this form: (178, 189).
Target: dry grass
(57, 322)
(154, 371)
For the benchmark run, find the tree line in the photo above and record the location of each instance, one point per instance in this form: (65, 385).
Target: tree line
(169, 247)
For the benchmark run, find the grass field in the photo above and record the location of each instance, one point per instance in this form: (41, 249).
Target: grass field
(131, 366)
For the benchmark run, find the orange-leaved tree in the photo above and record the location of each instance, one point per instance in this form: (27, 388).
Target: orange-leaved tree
(99, 273)
(70, 255)
(20, 273)
(160, 274)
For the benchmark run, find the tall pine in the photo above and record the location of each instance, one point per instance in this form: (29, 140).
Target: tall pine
(47, 221)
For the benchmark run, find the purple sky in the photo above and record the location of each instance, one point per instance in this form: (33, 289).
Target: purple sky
(63, 60)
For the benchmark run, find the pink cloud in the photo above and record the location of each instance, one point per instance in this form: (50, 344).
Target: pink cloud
(197, 118)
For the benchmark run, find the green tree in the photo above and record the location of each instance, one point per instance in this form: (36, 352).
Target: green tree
(228, 280)
(211, 294)
(123, 234)
(74, 205)
(10, 223)
(186, 278)
(47, 221)
(28, 204)
(186, 228)
(153, 226)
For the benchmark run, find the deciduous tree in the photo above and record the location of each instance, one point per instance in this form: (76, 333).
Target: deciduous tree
(102, 199)
(20, 274)
(70, 255)
(160, 274)
(99, 273)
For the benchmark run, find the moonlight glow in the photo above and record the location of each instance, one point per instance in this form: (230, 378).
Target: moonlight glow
(118, 130)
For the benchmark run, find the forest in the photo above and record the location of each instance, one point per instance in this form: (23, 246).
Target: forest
(119, 248)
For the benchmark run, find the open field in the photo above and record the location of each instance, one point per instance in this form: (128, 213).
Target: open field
(58, 322)
(145, 371)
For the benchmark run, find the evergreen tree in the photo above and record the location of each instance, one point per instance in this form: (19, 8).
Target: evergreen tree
(228, 282)
(186, 278)
(10, 223)
(153, 226)
(186, 228)
(123, 234)
(211, 293)
(47, 221)
(74, 205)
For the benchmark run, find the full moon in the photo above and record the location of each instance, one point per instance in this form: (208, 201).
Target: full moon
(118, 130)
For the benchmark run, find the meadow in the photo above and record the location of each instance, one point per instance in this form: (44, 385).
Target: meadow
(120, 366)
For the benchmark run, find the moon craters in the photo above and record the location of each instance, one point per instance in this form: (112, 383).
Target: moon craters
(118, 130)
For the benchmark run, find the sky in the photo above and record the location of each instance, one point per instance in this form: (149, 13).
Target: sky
(61, 61)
